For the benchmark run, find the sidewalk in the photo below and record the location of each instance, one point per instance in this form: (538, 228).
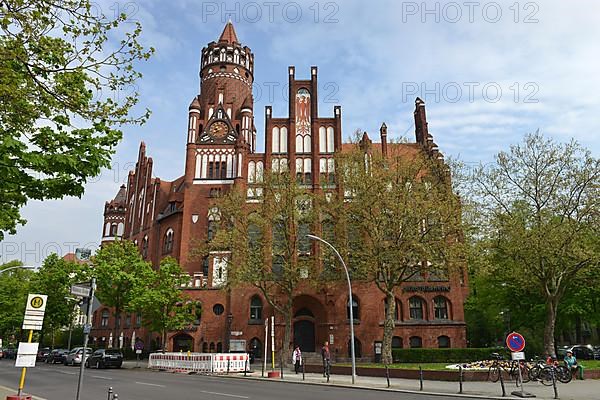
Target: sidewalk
(4, 391)
(575, 390)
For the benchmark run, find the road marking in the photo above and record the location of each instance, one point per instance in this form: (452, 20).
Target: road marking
(65, 372)
(225, 394)
(150, 384)
(102, 377)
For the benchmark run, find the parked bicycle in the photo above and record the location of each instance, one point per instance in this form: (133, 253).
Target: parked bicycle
(499, 365)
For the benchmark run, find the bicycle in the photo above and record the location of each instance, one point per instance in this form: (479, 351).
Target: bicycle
(560, 372)
(513, 371)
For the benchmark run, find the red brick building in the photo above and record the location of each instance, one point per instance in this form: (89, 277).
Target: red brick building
(165, 217)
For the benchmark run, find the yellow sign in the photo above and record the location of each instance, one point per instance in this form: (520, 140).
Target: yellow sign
(37, 302)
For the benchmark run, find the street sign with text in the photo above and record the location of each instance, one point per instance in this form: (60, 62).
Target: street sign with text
(34, 312)
(80, 290)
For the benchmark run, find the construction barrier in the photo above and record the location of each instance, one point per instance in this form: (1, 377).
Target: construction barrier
(203, 363)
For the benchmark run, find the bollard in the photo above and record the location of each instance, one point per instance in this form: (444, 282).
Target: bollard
(303, 371)
(115, 396)
(245, 367)
(554, 384)
(263, 368)
(502, 384)
(420, 378)
(387, 375)
(110, 392)
(228, 362)
(460, 379)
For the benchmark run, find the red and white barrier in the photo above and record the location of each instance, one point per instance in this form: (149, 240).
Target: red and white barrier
(204, 363)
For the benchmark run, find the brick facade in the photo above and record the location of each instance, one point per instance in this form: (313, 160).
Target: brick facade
(165, 218)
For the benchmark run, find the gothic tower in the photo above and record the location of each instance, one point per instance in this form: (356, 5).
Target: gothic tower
(221, 122)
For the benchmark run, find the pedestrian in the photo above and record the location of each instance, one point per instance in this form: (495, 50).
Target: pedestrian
(571, 363)
(297, 358)
(326, 355)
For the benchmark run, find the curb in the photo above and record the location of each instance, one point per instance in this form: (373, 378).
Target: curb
(347, 386)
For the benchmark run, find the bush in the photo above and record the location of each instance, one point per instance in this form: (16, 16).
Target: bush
(445, 355)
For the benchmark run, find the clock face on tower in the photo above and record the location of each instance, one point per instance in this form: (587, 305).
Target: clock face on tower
(218, 129)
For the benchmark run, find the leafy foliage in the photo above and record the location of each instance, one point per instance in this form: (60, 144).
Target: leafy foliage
(54, 279)
(267, 240)
(163, 304)
(55, 133)
(14, 288)
(402, 221)
(536, 209)
(120, 273)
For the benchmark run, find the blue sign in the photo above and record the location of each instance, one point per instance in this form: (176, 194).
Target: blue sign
(515, 342)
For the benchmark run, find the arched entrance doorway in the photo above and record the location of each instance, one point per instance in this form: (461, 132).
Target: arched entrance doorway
(304, 331)
(308, 322)
(183, 342)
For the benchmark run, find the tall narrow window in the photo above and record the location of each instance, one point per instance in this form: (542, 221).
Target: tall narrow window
(104, 321)
(145, 247)
(256, 308)
(440, 304)
(355, 309)
(416, 305)
(168, 244)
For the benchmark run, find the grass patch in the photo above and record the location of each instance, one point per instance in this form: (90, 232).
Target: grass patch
(590, 364)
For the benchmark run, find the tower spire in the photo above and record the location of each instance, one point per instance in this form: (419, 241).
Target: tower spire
(228, 35)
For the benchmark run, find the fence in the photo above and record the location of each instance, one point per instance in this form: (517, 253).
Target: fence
(203, 363)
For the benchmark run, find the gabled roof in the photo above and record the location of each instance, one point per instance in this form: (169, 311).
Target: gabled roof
(228, 35)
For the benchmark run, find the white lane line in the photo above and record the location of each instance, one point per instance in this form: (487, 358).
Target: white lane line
(150, 384)
(65, 372)
(225, 394)
(101, 377)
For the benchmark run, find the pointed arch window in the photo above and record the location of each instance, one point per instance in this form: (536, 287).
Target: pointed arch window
(168, 241)
(145, 247)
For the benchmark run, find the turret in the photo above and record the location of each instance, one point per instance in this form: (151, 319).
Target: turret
(114, 216)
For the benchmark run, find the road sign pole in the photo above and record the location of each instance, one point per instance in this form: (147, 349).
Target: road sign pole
(24, 370)
(86, 335)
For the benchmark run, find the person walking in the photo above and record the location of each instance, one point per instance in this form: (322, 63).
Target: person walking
(297, 358)
(326, 355)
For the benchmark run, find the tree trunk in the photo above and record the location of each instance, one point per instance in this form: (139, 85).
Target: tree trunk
(164, 340)
(388, 329)
(551, 305)
(286, 348)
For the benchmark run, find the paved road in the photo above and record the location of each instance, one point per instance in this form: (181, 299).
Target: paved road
(57, 382)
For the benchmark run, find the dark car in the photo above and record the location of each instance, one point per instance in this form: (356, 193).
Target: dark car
(104, 358)
(10, 353)
(582, 352)
(57, 356)
(42, 354)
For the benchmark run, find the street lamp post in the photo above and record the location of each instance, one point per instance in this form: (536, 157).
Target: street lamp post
(350, 302)
(16, 267)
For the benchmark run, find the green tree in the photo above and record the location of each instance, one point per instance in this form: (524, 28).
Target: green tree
(57, 127)
(14, 288)
(267, 240)
(163, 304)
(120, 273)
(537, 210)
(54, 279)
(402, 221)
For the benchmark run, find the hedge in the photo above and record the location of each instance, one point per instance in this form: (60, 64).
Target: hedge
(444, 355)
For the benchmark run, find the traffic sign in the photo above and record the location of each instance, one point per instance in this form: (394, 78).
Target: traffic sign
(81, 290)
(515, 342)
(34, 312)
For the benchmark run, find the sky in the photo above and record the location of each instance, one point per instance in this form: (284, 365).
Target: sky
(489, 72)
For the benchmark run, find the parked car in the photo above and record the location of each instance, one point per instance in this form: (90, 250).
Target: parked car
(582, 352)
(74, 357)
(597, 352)
(10, 353)
(57, 356)
(42, 354)
(103, 358)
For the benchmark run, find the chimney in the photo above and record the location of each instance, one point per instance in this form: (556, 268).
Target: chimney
(383, 134)
(421, 131)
